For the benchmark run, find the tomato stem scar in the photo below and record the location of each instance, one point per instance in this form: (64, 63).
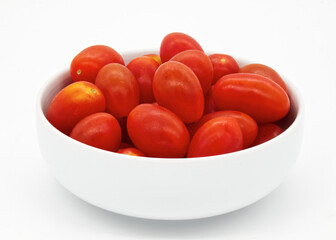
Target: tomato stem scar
(93, 90)
(79, 71)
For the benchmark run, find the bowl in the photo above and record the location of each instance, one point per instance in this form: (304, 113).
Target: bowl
(167, 189)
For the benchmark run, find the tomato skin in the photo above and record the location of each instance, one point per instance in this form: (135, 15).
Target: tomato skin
(177, 88)
(100, 130)
(143, 69)
(261, 98)
(222, 65)
(86, 65)
(120, 88)
(73, 103)
(199, 63)
(132, 152)
(155, 57)
(247, 124)
(217, 136)
(125, 145)
(266, 132)
(209, 104)
(265, 71)
(175, 43)
(157, 132)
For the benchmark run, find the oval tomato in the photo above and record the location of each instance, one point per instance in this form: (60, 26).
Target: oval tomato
(73, 103)
(100, 130)
(209, 104)
(132, 151)
(175, 43)
(266, 132)
(247, 124)
(222, 65)
(157, 132)
(261, 98)
(177, 88)
(265, 71)
(86, 65)
(217, 136)
(199, 63)
(120, 88)
(155, 57)
(143, 69)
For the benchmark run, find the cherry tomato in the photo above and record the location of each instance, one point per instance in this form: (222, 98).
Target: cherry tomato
(261, 98)
(73, 103)
(223, 65)
(120, 88)
(157, 132)
(143, 69)
(217, 136)
(266, 132)
(265, 71)
(85, 66)
(209, 104)
(175, 43)
(199, 63)
(100, 130)
(177, 88)
(132, 151)
(247, 124)
(155, 57)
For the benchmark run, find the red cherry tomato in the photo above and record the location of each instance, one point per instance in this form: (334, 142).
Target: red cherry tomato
(247, 124)
(125, 145)
(157, 132)
(261, 98)
(209, 104)
(265, 71)
(223, 65)
(175, 43)
(85, 66)
(120, 88)
(132, 151)
(73, 103)
(199, 63)
(143, 69)
(155, 57)
(100, 130)
(266, 132)
(217, 136)
(177, 88)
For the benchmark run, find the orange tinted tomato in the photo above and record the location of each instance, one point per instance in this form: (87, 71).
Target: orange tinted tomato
(73, 103)
(157, 132)
(199, 63)
(265, 71)
(266, 132)
(132, 151)
(143, 69)
(120, 88)
(261, 98)
(100, 130)
(177, 88)
(222, 65)
(216, 136)
(85, 66)
(155, 57)
(175, 43)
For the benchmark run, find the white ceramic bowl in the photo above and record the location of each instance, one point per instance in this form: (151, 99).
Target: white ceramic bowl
(170, 189)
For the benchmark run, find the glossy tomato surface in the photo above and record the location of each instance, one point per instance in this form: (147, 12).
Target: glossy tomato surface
(157, 132)
(199, 63)
(177, 88)
(265, 71)
(175, 43)
(120, 88)
(247, 124)
(266, 132)
(86, 65)
(222, 65)
(258, 96)
(132, 152)
(217, 136)
(73, 103)
(100, 130)
(143, 69)
(209, 104)
(155, 57)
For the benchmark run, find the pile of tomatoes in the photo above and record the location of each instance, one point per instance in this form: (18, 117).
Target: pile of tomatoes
(181, 103)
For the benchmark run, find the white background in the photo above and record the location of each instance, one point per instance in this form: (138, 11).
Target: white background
(38, 38)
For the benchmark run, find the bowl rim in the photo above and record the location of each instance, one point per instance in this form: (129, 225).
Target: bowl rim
(293, 89)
